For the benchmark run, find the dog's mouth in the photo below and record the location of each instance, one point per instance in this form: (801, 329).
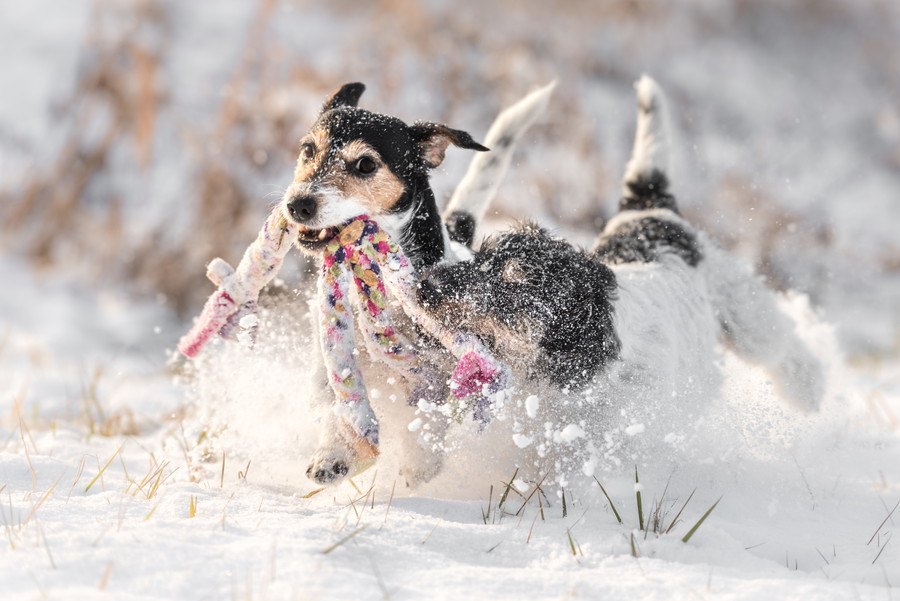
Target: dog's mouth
(315, 239)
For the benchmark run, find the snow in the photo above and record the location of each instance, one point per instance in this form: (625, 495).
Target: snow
(85, 380)
(635, 429)
(532, 404)
(801, 496)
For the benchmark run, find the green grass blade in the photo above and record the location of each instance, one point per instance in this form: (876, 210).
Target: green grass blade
(637, 494)
(678, 515)
(611, 504)
(699, 523)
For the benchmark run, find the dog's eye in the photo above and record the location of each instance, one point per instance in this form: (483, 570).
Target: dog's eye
(365, 166)
(513, 272)
(307, 151)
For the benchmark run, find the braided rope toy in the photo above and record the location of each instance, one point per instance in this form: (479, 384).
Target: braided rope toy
(362, 253)
(238, 289)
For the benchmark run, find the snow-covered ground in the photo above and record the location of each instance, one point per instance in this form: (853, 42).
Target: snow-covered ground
(801, 497)
(124, 478)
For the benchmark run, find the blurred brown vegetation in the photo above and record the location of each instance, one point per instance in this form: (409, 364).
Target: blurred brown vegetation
(459, 63)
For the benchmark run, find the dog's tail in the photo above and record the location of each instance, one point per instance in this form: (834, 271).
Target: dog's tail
(477, 189)
(646, 181)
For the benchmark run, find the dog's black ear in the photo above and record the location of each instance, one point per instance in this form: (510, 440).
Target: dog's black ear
(433, 139)
(347, 95)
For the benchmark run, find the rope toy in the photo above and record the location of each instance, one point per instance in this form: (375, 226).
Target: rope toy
(234, 304)
(364, 254)
(361, 253)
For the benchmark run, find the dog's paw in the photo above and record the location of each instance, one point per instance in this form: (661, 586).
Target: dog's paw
(421, 468)
(800, 379)
(342, 453)
(327, 470)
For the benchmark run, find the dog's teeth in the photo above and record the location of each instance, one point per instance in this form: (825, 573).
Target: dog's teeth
(323, 234)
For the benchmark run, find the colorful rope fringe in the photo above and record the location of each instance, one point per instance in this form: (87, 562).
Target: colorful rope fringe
(363, 252)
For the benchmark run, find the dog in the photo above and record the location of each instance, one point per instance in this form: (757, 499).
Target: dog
(637, 317)
(354, 161)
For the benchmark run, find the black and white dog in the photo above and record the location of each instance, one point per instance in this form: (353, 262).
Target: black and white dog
(636, 318)
(354, 161)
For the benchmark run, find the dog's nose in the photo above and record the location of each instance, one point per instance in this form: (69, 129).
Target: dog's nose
(302, 208)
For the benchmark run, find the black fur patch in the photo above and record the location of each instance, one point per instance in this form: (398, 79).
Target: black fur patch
(527, 276)
(648, 192)
(461, 227)
(646, 240)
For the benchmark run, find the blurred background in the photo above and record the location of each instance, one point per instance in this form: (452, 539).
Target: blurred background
(139, 139)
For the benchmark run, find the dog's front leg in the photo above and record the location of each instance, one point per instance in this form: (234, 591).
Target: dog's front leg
(423, 446)
(341, 452)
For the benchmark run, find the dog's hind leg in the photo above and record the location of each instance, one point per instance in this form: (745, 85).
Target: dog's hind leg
(755, 328)
(646, 183)
(474, 194)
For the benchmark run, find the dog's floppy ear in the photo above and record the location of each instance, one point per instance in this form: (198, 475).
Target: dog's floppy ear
(433, 139)
(347, 95)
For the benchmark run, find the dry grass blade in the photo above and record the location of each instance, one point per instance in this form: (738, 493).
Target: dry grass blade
(47, 546)
(192, 507)
(881, 549)
(531, 530)
(883, 522)
(152, 511)
(608, 500)
(103, 469)
(390, 501)
(486, 516)
(531, 494)
(343, 540)
(312, 493)
(634, 551)
(678, 515)
(699, 523)
(43, 498)
(506, 490)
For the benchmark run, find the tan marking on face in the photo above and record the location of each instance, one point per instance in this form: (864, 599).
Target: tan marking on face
(307, 167)
(379, 191)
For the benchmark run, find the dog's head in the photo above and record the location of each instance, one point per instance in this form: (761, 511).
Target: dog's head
(530, 296)
(354, 162)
